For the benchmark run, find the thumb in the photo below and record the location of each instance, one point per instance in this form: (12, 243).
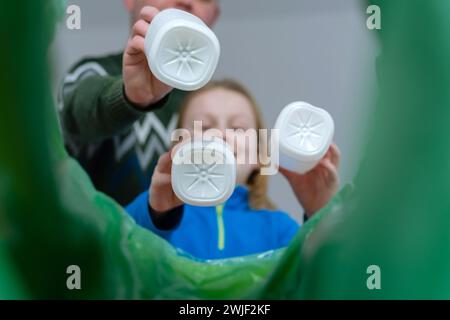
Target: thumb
(164, 164)
(287, 173)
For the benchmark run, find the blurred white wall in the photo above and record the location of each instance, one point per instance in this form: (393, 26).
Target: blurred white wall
(319, 51)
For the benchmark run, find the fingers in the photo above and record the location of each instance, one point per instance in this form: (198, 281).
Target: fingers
(145, 18)
(162, 173)
(135, 45)
(148, 13)
(139, 30)
(164, 164)
(284, 171)
(335, 154)
(289, 175)
(331, 172)
(160, 179)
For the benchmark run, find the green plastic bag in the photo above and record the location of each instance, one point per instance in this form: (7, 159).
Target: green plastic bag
(396, 215)
(52, 217)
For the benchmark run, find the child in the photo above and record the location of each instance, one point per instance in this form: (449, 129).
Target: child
(246, 223)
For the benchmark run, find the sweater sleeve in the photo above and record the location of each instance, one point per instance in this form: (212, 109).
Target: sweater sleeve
(93, 105)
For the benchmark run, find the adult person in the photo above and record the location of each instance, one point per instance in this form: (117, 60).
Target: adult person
(115, 115)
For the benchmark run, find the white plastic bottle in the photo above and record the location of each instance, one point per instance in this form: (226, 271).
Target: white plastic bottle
(203, 172)
(181, 50)
(305, 134)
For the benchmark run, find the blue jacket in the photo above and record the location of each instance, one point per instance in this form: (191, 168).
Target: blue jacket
(229, 230)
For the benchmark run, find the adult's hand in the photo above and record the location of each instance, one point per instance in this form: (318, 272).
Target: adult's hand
(142, 88)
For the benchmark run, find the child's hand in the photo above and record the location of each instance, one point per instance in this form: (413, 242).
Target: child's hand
(141, 86)
(162, 198)
(315, 188)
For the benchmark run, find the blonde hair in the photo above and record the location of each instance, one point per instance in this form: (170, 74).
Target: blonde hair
(256, 183)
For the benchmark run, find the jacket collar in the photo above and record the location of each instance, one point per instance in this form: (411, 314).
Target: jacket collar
(239, 198)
